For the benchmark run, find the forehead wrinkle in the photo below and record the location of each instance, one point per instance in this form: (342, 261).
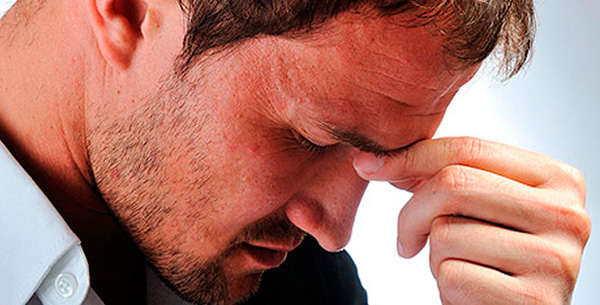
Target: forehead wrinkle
(384, 59)
(395, 69)
(432, 108)
(392, 77)
(425, 100)
(384, 95)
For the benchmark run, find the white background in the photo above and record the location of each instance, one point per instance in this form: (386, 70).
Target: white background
(553, 108)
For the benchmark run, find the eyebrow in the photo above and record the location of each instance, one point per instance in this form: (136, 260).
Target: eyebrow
(359, 140)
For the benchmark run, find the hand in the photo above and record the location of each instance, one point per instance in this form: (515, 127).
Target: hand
(506, 226)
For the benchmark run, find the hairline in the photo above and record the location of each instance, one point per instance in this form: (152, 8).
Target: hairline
(315, 33)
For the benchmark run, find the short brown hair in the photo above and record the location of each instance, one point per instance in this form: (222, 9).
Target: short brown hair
(472, 29)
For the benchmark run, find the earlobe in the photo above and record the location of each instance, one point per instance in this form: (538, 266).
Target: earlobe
(116, 25)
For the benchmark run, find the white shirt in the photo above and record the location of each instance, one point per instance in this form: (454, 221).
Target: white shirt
(39, 254)
(5, 5)
(41, 259)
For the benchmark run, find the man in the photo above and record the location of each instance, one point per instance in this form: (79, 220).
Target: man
(217, 134)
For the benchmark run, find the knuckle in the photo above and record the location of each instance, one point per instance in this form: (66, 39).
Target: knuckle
(581, 225)
(571, 172)
(447, 276)
(440, 232)
(439, 241)
(470, 147)
(545, 291)
(434, 262)
(573, 220)
(535, 293)
(454, 178)
(573, 179)
(585, 228)
(560, 262)
(578, 177)
(450, 278)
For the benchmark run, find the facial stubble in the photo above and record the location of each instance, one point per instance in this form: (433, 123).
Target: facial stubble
(128, 165)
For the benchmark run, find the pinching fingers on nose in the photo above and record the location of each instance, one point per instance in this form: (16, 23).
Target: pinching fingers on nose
(424, 159)
(503, 223)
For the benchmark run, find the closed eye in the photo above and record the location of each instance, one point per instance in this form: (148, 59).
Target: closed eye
(309, 146)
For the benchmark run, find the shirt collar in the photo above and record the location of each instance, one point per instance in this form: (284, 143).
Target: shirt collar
(38, 251)
(5, 5)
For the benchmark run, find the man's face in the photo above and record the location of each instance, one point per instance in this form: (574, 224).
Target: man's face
(217, 177)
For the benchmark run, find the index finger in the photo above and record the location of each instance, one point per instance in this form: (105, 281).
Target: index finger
(424, 159)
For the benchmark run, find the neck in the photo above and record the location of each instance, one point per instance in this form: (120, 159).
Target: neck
(42, 92)
(46, 54)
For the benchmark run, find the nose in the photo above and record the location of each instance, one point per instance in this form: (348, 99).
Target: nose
(326, 205)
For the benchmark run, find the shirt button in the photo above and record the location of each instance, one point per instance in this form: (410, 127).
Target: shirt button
(65, 284)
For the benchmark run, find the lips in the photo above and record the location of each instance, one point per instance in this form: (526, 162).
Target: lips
(269, 254)
(265, 258)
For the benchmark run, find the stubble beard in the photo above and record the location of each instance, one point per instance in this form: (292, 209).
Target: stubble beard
(127, 166)
(127, 163)
(207, 282)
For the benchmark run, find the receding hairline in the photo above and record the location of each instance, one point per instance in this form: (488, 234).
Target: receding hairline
(218, 25)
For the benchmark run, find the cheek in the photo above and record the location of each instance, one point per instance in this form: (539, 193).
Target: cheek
(256, 173)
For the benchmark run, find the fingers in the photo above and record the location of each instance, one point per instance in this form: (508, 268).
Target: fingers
(477, 263)
(506, 226)
(424, 159)
(510, 252)
(476, 187)
(462, 282)
(473, 193)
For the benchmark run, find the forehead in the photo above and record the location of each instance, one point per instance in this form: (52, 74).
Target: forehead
(392, 45)
(371, 59)
(370, 75)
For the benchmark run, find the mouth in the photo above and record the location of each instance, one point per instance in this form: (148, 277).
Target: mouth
(268, 255)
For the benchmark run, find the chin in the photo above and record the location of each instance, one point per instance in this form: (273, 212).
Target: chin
(236, 291)
(241, 289)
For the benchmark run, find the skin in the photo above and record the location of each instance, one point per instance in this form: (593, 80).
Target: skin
(196, 170)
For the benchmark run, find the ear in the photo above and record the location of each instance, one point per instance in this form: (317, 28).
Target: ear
(117, 28)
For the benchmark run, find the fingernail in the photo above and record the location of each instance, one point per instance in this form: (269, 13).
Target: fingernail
(368, 163)
(400, 249)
